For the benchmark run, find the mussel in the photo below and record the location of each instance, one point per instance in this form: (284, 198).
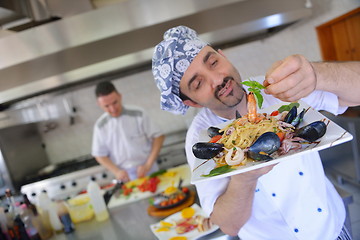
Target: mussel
(207, 150)
(237, 114)
(298, 118)
(213, 131)
(265, 145)
(312, 131)
(291, 115)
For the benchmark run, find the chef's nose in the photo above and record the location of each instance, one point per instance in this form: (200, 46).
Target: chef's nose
(216, 79)
(112, 108)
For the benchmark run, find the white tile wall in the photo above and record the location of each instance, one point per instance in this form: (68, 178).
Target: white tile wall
(69, 141)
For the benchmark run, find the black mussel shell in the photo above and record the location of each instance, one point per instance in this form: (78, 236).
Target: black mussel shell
(213, 131)
(265, 145)
(291, 115)
(237, 114)
(207, 150)
(298, 118)
(312, 131)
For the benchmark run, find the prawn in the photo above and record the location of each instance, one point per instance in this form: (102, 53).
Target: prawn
(253, 116)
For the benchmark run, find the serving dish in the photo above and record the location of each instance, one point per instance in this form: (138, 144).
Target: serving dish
(191, 235)
(334, 135)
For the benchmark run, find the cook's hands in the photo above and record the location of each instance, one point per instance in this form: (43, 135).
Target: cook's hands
(253, 175)
(290, 79)
(122, 175)
(142, 170)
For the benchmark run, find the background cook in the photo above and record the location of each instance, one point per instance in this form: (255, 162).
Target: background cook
(125, 140)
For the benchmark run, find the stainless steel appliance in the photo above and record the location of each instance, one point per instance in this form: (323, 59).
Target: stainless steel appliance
(66, 179)
(69, 178)
(21, 154)
(121, 37)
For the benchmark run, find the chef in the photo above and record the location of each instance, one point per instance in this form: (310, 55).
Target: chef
(125, 140)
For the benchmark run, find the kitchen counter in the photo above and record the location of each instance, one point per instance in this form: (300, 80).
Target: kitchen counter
(129, 218)
(129, 222)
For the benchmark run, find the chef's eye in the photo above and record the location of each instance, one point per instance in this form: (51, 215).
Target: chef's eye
(214, 63)
(197, 84)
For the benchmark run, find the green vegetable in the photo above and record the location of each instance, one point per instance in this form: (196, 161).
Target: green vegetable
(219, 170)
(288, 107)
(256, 88)
(160, 172)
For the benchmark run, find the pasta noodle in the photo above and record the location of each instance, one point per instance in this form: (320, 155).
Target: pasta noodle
(242, 133)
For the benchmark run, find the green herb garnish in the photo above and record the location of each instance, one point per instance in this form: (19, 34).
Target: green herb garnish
(288, 107)
(219, 170)
(255, 88)
(157, 173)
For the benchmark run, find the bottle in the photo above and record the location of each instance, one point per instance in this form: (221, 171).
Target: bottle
(64, 216)
(13, 208)
(97, 201)
(44, 230)
(26, 217)
(48, 207)
(15, 213)
(3, 220)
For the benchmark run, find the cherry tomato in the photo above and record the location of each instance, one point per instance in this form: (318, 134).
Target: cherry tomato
(274, 113)
(185, 189)
(215, 138)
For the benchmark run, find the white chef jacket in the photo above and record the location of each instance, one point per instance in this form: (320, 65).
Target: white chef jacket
(294, 200)
(126, 140)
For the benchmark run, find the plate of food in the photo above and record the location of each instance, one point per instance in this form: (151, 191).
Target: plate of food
(263, 138)
(171, 197)
(188, 224)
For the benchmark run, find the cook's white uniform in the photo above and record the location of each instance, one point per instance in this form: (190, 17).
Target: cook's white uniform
(295, 200)
(126, 140)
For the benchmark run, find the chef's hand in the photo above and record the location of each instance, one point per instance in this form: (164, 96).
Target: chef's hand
(122, 175)
(142, 170)
(252, 175)
(290, 79)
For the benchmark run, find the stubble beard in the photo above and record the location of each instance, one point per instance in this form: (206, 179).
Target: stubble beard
(236, 99)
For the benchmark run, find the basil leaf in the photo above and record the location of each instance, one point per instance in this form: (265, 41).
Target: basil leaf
(259, 98)
(288, 107)
(219, 170)
(253, 84)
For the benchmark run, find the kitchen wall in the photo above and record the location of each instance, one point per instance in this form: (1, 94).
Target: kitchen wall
(66, 140)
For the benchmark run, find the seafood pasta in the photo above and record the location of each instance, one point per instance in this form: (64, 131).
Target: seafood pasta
(258, 136)
(239, 135)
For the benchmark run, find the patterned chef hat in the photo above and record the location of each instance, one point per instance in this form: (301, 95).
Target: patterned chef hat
(170, 60)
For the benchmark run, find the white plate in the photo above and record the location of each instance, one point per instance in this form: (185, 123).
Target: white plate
(334, 135)
(192, 235)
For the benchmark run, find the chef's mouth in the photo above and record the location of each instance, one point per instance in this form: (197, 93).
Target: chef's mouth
(223, 89)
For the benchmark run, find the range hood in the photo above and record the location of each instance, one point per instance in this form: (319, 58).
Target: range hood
(121, 37)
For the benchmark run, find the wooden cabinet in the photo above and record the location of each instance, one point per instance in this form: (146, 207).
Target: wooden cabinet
(339, 38)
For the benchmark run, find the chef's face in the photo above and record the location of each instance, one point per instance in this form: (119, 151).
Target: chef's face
(212, 81)
(111, 103)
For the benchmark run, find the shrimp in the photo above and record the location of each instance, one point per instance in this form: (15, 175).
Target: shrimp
(252, 115)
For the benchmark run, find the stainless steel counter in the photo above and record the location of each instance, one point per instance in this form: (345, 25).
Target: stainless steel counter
(127, 222)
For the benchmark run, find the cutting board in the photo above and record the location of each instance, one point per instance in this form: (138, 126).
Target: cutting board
(172, 175)
(155, 212)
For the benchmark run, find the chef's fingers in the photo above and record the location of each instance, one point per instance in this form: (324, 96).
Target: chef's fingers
(283, 70)
(270, 70)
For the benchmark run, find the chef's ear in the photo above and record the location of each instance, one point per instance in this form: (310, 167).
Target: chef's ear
(191, 103)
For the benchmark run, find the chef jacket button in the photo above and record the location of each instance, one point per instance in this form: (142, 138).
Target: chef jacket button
(274, 195)
(319, 210)
(301, 173)
(296, 230)
(257, 190)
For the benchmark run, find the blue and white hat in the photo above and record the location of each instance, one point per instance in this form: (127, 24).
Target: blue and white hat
(170, 60)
